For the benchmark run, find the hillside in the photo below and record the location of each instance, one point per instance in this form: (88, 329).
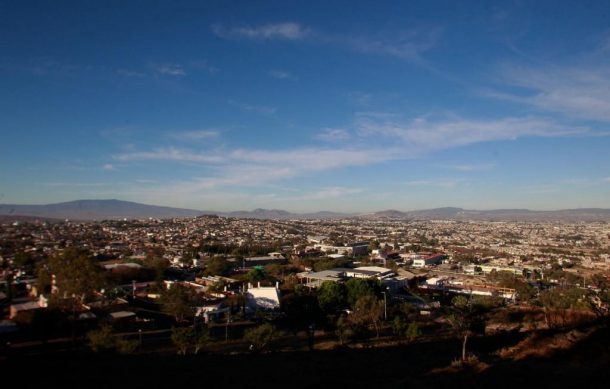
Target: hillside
(96, 210)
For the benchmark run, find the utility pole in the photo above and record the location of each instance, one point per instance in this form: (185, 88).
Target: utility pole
(227, 325)
(385, 307)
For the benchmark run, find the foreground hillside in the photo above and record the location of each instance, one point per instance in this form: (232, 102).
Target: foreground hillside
(545, 359)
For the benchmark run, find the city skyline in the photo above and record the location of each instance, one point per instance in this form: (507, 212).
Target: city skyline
(348, 107)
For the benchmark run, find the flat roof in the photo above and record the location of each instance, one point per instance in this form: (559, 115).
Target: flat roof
(326, 275)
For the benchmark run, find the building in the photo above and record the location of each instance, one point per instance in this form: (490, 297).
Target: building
(262, 297)
(430, 260)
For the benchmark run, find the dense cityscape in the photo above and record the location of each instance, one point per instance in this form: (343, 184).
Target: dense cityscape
(229, 285)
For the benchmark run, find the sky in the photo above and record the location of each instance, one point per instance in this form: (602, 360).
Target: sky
(352, 106)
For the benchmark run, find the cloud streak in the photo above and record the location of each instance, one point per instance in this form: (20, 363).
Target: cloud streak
(333, 135)
(429, 135)
(170, 70)
(582, 93)
(195, 135)
(170, 154)
(282, 75)
(393, 141)
(284, 31)
(407, 44)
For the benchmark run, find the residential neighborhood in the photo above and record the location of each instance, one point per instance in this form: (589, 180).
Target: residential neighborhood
(230, 276)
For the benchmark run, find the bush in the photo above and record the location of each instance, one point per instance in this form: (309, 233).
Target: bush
(260, 337)
(103, 340)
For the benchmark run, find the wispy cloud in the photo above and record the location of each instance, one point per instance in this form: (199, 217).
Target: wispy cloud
(76, 184)
(195, 135)
(579, 92)
(284, 30)
(441, 183)
(169, 70)
(332, 192)
(470, 167)
(429, 135)
(394, 140)
(108, 166)
(408, 45)
(170, 154)
(203, 64)
(260, 109)
(130, 73)
(282, 75)
(333, 135)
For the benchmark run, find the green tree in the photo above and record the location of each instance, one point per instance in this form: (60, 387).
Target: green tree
(301, 309)
(178, 301)
(24, 260)
(256, 274)
(182, 337)
(331, 296)
(344, 330)
(357, 288)
(126, 346)
(201, 339)
(599, 299)
(218, 266)
(186, 337)
(399, 326)
(368, 310)
(412, 331)
(75, 274)
(218, 286)
(101, 339)
(525, 292)
(466, 320)
(260, 337)
(557, 302)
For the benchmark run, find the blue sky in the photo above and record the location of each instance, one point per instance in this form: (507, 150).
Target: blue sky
(306, 106)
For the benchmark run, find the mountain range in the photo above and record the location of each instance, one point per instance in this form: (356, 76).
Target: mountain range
(116, 209)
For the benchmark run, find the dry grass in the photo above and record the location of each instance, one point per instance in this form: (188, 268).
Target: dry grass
(541, 344)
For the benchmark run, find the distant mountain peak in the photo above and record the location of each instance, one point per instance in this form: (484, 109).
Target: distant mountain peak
(91, 209)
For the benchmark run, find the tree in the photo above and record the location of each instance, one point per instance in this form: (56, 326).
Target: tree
(177, 301)
(344, 329)
(75, 274)
(218, 266)
(357, 288)
(256, 274)
(101, 339)
(260, 337)
(24, 260)
(185, 337)
(182, 338)
(599, 300)
(399, 326)
(218, 286)
(412, 331)
(331, 296)
(557, 302)
(201, 339)
(466, 320)
(505, 279)
(368, 310)
(301, 309)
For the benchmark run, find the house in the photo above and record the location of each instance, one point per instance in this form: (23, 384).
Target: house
(430, 260)
(16, 309)
(262, 297)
